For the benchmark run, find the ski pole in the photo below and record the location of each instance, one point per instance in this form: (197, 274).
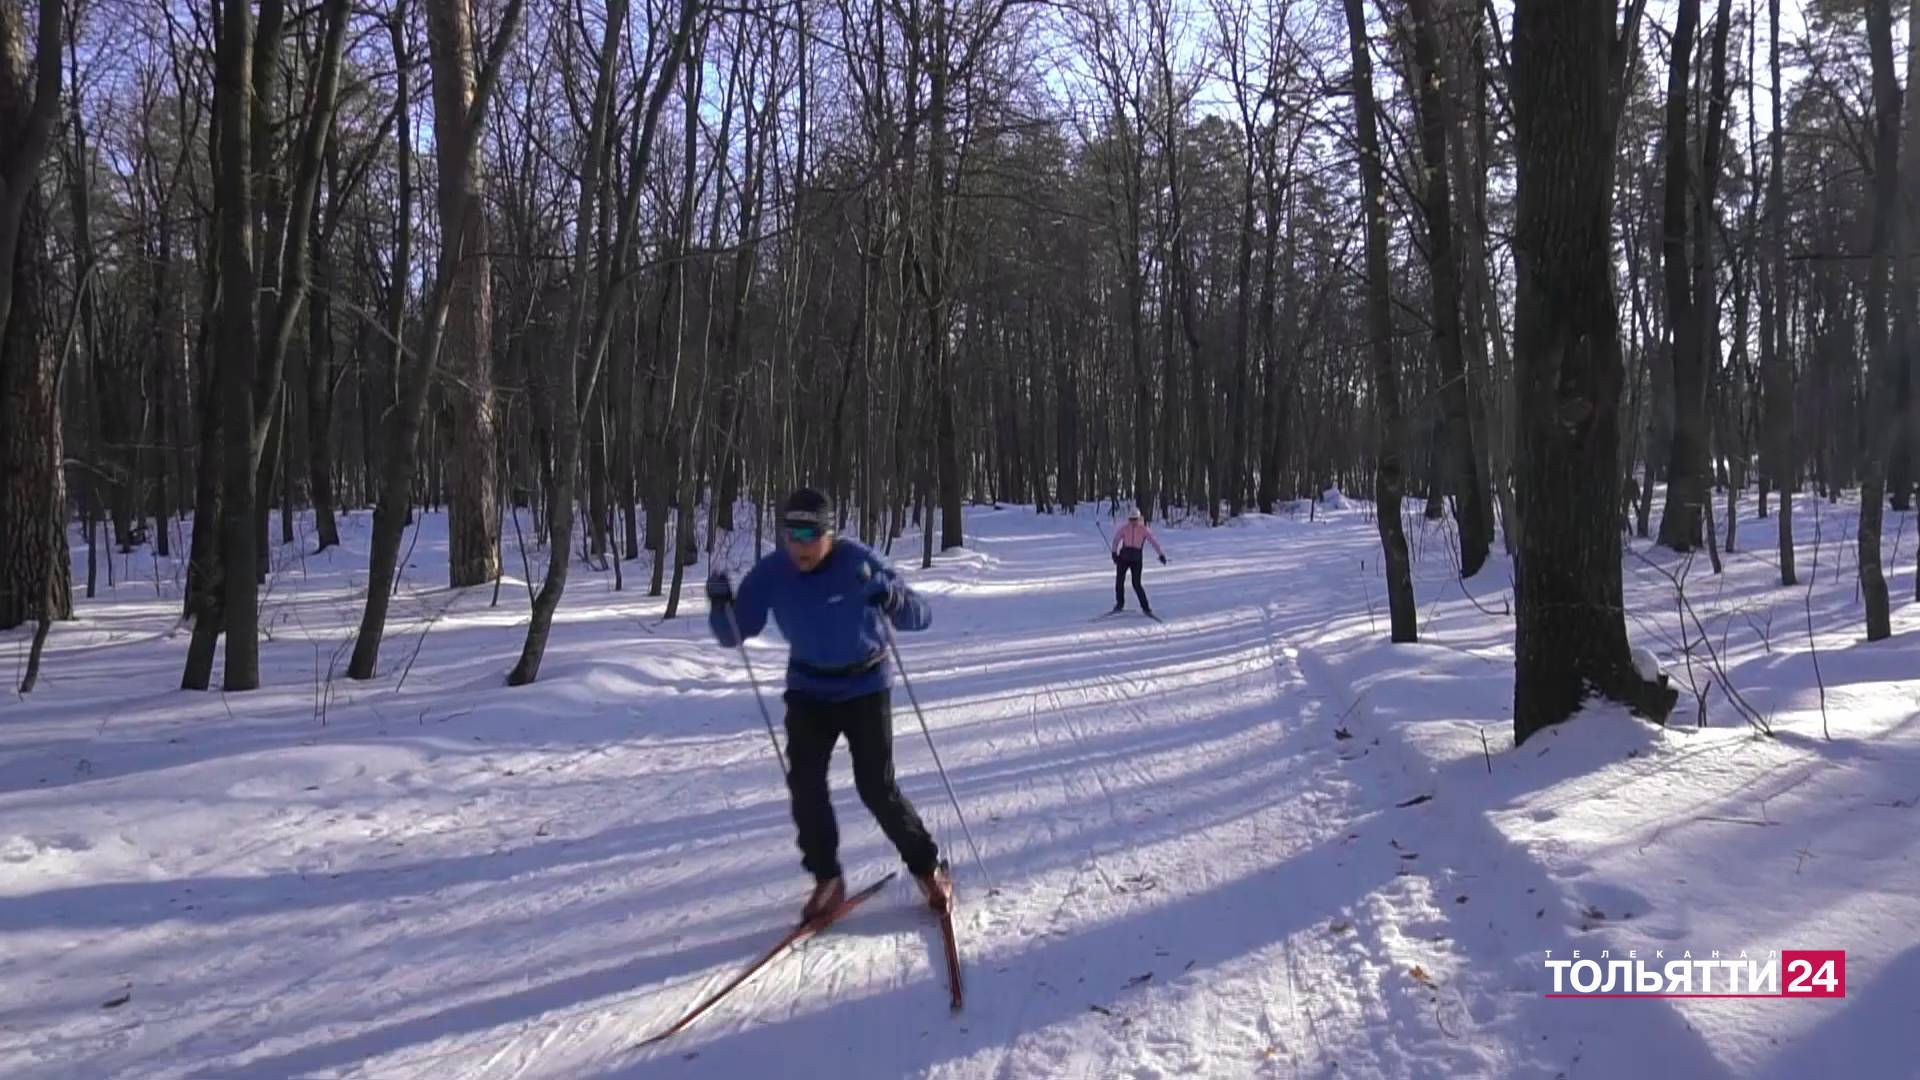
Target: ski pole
(757, 696)
(893, 646)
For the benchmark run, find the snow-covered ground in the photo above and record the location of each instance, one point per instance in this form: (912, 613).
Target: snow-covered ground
(1255, 840)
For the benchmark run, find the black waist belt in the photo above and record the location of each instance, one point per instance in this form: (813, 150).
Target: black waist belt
(848, 671)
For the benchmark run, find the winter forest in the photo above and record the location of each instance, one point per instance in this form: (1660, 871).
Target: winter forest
(624, 269)
(1574, 340)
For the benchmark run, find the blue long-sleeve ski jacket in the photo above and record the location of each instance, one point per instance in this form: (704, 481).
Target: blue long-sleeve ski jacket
(838, 645)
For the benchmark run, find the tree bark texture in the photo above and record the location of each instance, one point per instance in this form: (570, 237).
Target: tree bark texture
(1570, 639)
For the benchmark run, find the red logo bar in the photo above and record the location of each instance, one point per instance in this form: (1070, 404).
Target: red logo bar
(1813, 973)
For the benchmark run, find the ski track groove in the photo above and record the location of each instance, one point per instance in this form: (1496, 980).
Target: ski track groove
(1299, 1027)
(1128, 694)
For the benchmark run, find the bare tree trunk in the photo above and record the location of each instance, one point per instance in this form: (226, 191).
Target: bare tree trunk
(1275, 366)
(1900, 453)
(598, 496)
(161, 410)
(1459, 445)
(1884, 371)
(1570, 636)
(473, 517)
(35, 576)
(1243, 342)
(1775, 363)
(1145, 491)
(1484, 315)
(627, 422)
(266, 480)
(1706, 303)
(659, 474)
(320, 384)
(323, 370)
(239, 345)
(1687, 460)
(1733, 389)
(28, 124)
(1659, 361)
(934, 283)
(1387, 475)
(204, 588)
(1901, 472)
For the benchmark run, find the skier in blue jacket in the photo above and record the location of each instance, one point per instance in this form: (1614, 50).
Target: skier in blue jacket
(828, 596)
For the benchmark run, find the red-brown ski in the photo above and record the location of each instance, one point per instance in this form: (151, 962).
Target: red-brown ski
(952, 946)
(953, 958)
(793, 936)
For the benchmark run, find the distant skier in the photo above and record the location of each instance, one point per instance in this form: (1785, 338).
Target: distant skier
(1129, 550)
(828, 596)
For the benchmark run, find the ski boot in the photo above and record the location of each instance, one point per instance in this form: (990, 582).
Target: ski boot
(827, 896)
(937, 887)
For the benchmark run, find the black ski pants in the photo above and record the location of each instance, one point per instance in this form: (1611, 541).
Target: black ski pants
(1128, 562)
(813, 727)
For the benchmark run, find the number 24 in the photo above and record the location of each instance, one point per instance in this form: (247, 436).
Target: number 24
(1808, 978)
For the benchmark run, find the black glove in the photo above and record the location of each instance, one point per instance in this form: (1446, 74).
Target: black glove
(1163, 558)
(880, 593)
(719, 589)
(1116, 558)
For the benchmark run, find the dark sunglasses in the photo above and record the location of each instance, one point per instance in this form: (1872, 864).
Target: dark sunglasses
(804, 534)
